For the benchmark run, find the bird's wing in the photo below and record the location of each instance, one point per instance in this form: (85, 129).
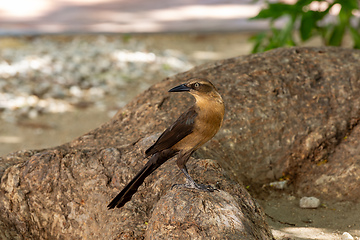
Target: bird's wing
(182, 127)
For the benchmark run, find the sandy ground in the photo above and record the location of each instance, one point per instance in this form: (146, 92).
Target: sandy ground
(285, 217)
(328, 222)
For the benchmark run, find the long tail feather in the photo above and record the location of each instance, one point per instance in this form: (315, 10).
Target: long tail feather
(130, 189)
(125, 195)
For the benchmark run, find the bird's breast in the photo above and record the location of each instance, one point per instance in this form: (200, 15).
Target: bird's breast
(206, 124)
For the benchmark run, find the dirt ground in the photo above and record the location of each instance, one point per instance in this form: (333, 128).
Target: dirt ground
(284, 215)
(328, 222)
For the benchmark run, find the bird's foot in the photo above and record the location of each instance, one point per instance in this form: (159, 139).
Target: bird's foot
(198, 186)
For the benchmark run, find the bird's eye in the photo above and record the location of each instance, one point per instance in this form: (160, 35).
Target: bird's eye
(196, 85)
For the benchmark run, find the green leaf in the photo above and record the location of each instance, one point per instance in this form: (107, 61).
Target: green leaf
(308, 22)
(344, 16)
(303, 3)
(285, 34)
(337, 35)
(331, 34)
(263, 14)
(258, 39)
(355, 36)
(348, 5)
(276, 10)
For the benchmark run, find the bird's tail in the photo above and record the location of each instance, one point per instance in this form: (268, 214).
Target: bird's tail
(130, 189)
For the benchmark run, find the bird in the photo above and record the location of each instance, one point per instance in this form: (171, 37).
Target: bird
(189, 132)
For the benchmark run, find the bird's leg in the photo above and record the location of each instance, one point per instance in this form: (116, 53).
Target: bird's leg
(190, 183)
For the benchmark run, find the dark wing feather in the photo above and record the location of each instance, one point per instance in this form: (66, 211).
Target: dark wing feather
(182, 127)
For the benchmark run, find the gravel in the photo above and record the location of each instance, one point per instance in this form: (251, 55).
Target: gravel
(48, 76)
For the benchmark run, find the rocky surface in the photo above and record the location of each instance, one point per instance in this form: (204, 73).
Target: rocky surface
(62, 193)
(223, 214)
(289, 111)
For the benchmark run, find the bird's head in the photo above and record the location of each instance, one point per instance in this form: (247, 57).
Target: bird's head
(200, 88)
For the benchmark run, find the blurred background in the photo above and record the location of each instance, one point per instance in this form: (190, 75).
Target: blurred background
(125, 16)
(67, 66)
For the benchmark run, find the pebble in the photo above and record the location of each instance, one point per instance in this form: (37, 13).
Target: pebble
(279, 184)
(346, 236)
(309, 202)
(45, 75)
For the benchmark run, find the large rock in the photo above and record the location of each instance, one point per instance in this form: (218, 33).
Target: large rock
(290, 112)
(190, 214)
(62, 193)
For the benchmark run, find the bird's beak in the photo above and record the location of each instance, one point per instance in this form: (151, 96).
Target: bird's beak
(180, 88)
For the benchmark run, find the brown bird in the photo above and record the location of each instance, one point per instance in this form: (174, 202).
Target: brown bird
(192, 129)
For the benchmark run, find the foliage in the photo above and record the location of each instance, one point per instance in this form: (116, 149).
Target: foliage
(308, 22)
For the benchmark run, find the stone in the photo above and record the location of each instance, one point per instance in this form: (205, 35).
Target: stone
(63, 193)
(346, 236)
(191, 214)
(309, 202)
(279, 184)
